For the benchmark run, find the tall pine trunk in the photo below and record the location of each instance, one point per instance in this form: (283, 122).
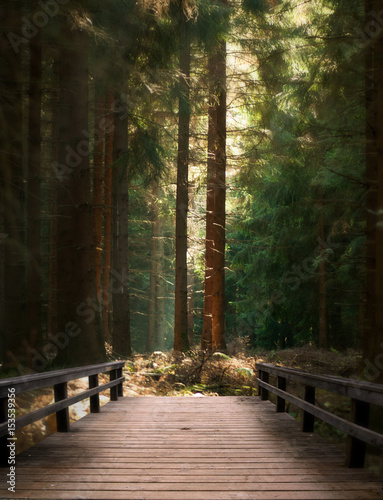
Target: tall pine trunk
(378, 337)
(191, 264)
(371, 197)
(98, 188)
(109, 138)
(181, 341)
(119, 276)
(156, 266)
(33, 192)
(322, 279)
(52, 320)
(207, 327)
(217, 75)
(76, 280)
(13, 329)
(373, 328)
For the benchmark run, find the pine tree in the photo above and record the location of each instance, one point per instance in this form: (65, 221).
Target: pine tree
(14, 333)
(181, 342)
(373, 340)
(107, 254)
(119, 277)
(76, 279)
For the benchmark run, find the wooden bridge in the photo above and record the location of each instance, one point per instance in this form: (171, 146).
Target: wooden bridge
(182, 448)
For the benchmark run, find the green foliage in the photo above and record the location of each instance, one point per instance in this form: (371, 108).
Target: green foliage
(306, 166)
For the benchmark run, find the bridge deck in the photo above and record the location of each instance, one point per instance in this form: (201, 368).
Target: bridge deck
(187, 448)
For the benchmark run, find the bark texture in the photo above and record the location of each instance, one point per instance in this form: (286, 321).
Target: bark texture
(181, 342)
(119, 274)
(76, 283)
(213, 336)
(14, 330)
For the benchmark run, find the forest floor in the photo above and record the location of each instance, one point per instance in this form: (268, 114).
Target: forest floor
(198, 374)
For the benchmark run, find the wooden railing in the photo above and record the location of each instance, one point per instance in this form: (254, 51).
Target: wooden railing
(58, 380)
(362, 395)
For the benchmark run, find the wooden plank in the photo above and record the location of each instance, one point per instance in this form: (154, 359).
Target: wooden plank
(200, 495)
(189, 486)
(171, 477)
(186, 449)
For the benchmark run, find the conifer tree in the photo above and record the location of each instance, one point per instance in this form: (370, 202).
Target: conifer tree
(119, 278)
(76, 282)
(181, 341)
(373, 340)
(14, 333)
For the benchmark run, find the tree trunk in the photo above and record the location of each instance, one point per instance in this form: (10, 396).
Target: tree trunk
(33, 194)
(181, 342)
(156, 258)
(52, 320)
(191, 280)
(13, 330)
(322, 280)
(217, 72)
(98, 188)
(160, 294)
(119, 275)
(109, 138)
(373, 328)
(371, 197)
(76, 281)
(377, 339)
(207, 328)
(191, 301)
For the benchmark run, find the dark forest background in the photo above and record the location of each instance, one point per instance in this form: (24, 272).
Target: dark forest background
(182, 173)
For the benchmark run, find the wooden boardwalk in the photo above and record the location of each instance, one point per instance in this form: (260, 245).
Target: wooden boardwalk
(205, 448)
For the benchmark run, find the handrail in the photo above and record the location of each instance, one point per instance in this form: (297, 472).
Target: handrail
(9, 387)
(362, 395)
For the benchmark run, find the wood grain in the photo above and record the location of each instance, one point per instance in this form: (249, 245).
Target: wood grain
(190, 448)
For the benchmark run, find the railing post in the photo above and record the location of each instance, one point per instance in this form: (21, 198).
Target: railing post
(308, 419)
(260, 377)
(62, 416)
(281, 401)
(120, 387)
(94, 400)
(4, 439)
(356, 449)
(113, 390)
(265, 392)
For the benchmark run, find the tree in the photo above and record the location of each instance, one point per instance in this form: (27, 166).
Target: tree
(213, 335)
(98, 188)
(119, 276)
(373, 340)
(181, 342)
(218, 74)
(76, 279)
(156, 298)
(207, 328)
(14, 334)
(304, 179)
(34, 190)
(107, 254)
